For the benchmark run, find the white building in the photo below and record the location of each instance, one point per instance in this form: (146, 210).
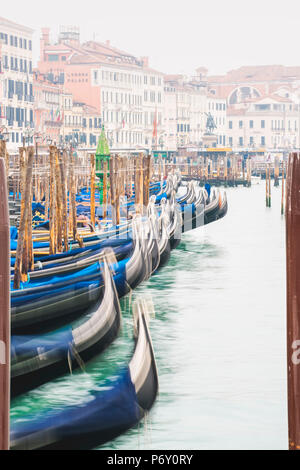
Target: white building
(81, 123)
(16, 82)
(131, 104)
(185, 111)
(270, 122)
(217, 107)
(187, 107)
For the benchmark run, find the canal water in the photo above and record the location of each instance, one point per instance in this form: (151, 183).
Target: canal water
(219, 339)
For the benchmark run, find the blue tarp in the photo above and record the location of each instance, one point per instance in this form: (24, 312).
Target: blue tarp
(115, 407)
(33, 345)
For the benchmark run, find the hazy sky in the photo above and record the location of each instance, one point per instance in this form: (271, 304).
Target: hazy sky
(177, 35)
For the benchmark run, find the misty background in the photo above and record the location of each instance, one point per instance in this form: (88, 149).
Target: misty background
(178, 36)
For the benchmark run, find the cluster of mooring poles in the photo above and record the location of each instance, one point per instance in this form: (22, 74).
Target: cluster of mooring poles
(229, 170)
(276, 183)
(55, 180)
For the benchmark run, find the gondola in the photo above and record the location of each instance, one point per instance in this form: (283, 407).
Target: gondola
(187, 195)
(212, 208)
(38, 305)
(107, 414)
(37, 359)
(223, 207)
(74, 262)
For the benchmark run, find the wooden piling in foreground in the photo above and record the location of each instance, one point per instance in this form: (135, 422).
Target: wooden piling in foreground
(267, 188)
(52, 204)
(4, 311)
(22, 254)
(282, 190)
(270, 195)
(62, 165)
(105, 168)
(293, 298)
(93, 182)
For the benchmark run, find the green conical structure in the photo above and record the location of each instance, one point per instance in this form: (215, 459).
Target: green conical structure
(102, 147)
(102, 154)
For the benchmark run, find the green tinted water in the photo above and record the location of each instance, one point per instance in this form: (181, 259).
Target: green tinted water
(218, 335)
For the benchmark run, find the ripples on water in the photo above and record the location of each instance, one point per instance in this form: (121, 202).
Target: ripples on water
(218, 335)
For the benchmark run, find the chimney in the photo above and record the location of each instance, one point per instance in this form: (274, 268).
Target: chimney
(145, 61)
(46, 35)
(44, 41)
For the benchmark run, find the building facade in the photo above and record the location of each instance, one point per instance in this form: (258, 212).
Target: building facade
(185, 111)
(48, 114)
(270, 123)
(122, 88)
(16, 82)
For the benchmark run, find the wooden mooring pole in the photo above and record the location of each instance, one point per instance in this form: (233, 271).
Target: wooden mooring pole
(293, 298)
(270, 196)
(93, 182)
(282, 190)
(267, 188)
(4, 310)
(24, 241)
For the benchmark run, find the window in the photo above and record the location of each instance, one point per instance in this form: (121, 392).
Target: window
(20, 43)
(263, 140)
(52, 57)
(25, 43)
(240, 124)
(230, 141)
(241, 141)
(30, 45)
(230, 124)
(251, 140)
(251, 124)
(263, 124)
(11, 38)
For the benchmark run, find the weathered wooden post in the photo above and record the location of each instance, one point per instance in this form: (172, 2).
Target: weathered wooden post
(270, 196)
(22, 248)
(293, 298)
(52, 203)
(4, 311)
(63, 180)
(58, 209)
(93, 175)
(267, 188)
(147, 162)
(5, 155)
(282, 190)
(112, 185)
(72, 198)
(105, 168)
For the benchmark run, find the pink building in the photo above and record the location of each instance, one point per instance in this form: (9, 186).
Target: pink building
(48, 109)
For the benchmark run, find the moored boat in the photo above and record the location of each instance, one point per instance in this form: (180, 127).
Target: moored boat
(107, 414)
